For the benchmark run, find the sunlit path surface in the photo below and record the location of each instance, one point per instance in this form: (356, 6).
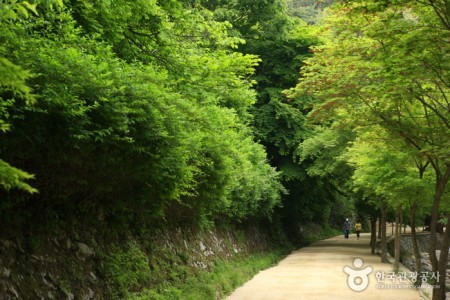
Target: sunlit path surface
(317, 272)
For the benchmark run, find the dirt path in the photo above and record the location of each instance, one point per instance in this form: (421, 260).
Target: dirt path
(317, 272)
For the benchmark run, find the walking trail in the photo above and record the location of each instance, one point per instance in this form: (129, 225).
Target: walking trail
(317, 272)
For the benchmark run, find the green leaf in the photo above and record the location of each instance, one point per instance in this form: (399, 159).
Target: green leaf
(30, 6)
(13, 178)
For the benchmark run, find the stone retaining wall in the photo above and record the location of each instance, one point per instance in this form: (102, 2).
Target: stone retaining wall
(423, 241)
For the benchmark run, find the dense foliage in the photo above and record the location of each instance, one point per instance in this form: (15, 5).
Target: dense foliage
(190, 112)
(129, 108)
(382, 71)
(282, 42)
(156, 111)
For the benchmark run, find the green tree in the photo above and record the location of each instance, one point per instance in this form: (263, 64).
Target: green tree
(307, 10)
(384, 64)
(13, 87)
(120, 131)
(389, 171)
(252, 19)
(281, 42)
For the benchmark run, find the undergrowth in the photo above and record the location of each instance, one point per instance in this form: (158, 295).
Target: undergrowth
(216, 283)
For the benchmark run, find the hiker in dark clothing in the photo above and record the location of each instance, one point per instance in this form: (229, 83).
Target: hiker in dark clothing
(346, 228)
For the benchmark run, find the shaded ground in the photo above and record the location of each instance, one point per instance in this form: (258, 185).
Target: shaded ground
(317, 272)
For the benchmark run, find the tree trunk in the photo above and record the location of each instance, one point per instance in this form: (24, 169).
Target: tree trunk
(379, 228)
(398, 236)
(442, 265)
(373, 233)
(441, 182)
(417, 258)
(384, 258)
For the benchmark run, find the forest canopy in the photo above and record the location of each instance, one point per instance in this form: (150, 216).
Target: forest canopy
(126, 107)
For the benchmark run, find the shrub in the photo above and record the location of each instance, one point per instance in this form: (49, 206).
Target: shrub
(125, 270)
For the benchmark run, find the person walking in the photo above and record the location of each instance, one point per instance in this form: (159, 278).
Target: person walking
(346, 228)
(358, 227)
